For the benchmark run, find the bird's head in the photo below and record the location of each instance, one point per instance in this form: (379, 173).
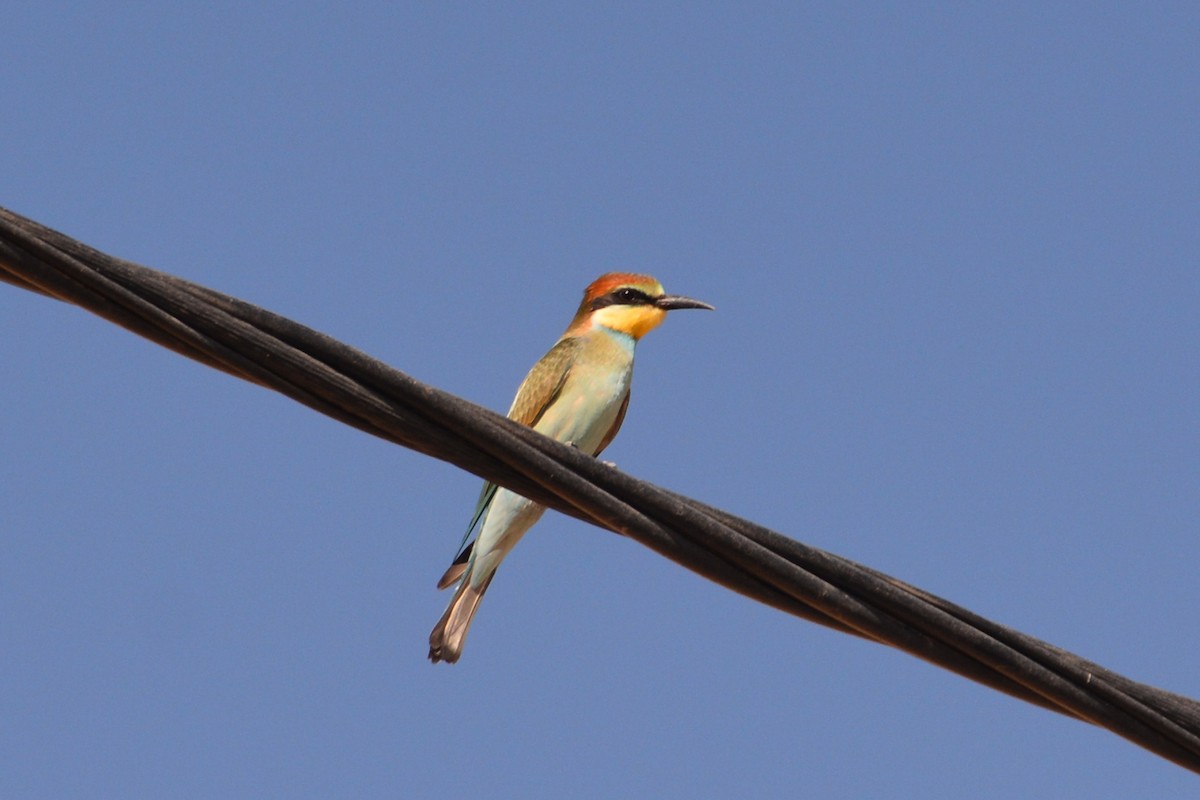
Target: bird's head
(628, 303)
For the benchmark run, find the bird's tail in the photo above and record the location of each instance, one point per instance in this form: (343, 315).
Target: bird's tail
(448, 636)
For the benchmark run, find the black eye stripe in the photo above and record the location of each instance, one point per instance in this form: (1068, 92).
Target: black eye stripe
(624, 296)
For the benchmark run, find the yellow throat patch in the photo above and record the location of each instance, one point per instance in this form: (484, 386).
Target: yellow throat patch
(637, 321)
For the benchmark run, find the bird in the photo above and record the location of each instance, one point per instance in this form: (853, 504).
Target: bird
(577, 394)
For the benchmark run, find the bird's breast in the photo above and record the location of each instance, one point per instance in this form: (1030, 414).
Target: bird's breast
(591, 399)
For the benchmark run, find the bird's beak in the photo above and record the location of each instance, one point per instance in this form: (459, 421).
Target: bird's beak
(670, 302)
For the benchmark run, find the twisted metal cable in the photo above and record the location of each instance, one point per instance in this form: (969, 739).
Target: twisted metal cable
(341, 382)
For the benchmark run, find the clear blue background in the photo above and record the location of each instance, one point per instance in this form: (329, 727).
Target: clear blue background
(955, 252)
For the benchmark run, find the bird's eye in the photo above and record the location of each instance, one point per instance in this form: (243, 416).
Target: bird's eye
(622, 296)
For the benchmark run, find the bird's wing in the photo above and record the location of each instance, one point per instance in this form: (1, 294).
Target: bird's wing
(459, 565)
(544, 382)
(541, 387)
(616, 426)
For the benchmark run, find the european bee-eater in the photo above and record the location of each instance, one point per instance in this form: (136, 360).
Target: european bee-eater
(576, 394)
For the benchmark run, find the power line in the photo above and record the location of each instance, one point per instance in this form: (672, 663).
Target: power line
(339, 381)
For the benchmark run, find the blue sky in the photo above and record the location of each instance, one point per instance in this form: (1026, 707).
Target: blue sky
(954, 254)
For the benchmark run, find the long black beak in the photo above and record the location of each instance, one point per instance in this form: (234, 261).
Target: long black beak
(670, 302)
